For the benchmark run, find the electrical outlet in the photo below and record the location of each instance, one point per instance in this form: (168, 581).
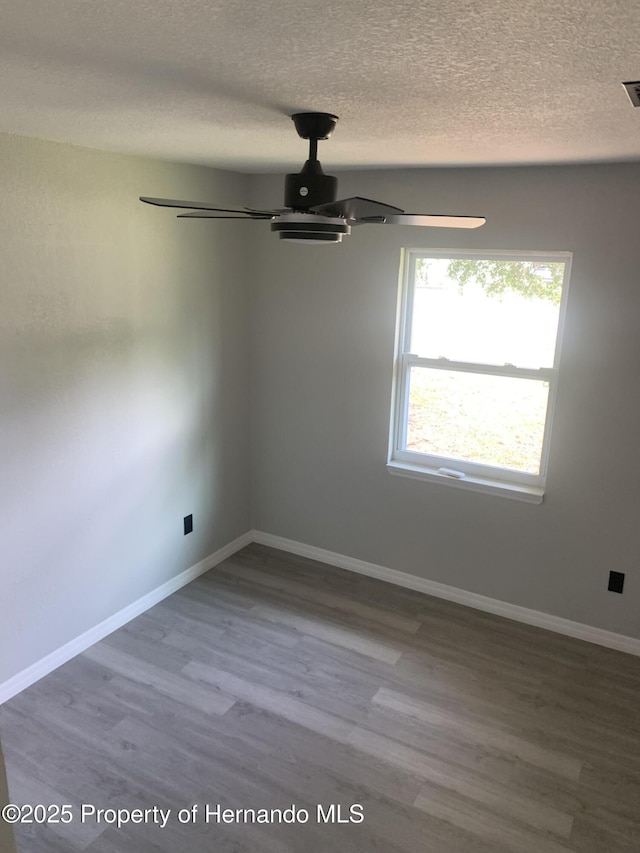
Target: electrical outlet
(188, 524)
(616, 581)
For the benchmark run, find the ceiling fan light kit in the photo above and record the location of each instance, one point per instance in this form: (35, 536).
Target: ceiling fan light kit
(312, 213)
(303, 227)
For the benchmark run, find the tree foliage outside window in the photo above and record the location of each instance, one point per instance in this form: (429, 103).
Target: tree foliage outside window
(530, 279)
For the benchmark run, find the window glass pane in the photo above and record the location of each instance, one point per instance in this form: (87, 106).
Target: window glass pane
(490, 420)
(492, 312)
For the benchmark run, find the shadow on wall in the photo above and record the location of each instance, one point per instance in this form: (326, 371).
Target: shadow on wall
(114, 452)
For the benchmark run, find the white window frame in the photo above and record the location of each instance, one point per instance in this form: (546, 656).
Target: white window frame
(471, 475)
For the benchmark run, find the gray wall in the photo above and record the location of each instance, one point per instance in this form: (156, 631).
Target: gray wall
(128, 342)
(323, 330)
(124, 387)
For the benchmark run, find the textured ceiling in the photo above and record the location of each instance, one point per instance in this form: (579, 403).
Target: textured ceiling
(414, 83)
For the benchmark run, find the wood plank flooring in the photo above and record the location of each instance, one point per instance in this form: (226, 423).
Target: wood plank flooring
(274, 681)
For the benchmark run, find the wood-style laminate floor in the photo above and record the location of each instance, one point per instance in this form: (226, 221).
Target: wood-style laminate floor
(274, 680)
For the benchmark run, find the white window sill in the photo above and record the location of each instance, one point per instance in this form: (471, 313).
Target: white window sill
(500, 488)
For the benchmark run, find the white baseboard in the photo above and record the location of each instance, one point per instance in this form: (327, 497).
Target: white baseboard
(599, 636)
(52, 661)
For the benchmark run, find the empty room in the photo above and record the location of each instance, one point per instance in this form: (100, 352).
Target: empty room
(319, 364)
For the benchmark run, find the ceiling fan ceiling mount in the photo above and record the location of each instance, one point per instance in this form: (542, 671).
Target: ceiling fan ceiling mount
(314, 125)
(312, 213)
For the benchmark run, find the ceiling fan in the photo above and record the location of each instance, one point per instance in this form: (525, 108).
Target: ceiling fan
(311, 211)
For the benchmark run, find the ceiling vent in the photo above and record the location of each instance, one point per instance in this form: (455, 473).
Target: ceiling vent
(633, 90)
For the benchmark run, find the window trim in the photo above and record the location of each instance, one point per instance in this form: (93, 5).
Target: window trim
(475, 476)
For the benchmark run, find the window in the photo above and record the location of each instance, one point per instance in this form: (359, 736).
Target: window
(476, 368)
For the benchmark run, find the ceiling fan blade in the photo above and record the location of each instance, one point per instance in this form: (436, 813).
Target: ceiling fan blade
(269, 212)
(356, 208)
(188, 205)
(212, 214)
(427, 220)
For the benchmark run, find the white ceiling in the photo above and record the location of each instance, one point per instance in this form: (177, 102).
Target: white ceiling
(414, 82)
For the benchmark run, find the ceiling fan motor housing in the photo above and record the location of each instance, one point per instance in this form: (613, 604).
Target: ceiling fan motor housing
(309, 187)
